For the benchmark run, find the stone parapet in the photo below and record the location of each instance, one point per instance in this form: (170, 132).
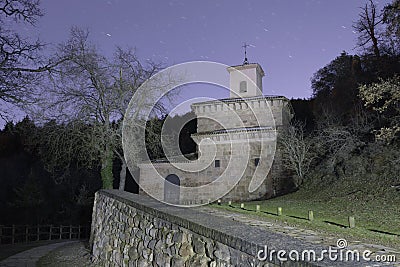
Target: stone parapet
(264, 111)
(136, 230)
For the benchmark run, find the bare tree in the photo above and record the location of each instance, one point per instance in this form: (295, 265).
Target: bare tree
(21, 66)
(334, 140)
(89, 94)
(330, 141)
(368, 27)
(391, 19)
(297, 153)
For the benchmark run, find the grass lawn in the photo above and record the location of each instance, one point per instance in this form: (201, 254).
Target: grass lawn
(377, 219)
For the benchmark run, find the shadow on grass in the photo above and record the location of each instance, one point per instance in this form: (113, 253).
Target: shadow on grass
(306, 219)
(297, 217)
(261, 211)
(270, 213)
(383, 232)
(336, 224)
(239, 208)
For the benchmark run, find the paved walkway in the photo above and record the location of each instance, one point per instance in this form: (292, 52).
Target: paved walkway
(29, 257)
(308, 235)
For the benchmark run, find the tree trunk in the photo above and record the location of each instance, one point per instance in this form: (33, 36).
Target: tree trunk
(376, 47)
(122, 176)
(106, 170)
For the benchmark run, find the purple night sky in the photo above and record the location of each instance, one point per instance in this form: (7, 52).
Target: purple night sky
(290, 39)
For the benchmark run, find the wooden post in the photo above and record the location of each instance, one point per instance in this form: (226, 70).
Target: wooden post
(13, 234)
(38, 232)
(51, 226)
(279, 211)
(352, 222)
(79, 232)
(310, 215)
(229, 203)
(70, 231)
(242, 205)
(26, 234)
(60, 234)
(257, 208)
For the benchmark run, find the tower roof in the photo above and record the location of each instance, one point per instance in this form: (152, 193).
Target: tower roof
(247, 66)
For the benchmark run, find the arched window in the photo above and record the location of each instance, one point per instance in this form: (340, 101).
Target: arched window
(243, 86)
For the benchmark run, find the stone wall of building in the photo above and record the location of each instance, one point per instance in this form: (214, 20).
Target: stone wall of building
(226, 130)
(135, 230)
(250, 112)
(273, 184)
(152, 176)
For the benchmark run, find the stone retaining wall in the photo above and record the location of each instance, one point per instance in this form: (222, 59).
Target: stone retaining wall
(135, 230)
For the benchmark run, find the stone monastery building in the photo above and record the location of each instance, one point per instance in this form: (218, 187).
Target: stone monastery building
(236, 140)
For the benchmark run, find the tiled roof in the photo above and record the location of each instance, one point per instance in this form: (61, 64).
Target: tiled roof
(241, 65)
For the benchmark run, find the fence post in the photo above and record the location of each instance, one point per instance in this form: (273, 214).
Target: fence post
(279, 211)
(79, 232)
(70, 231)
(310, 215)
(51, 227)
(60, 233)
(13, 234)
(352, 222)
(38, 232)
(257, 208)
(26, 233)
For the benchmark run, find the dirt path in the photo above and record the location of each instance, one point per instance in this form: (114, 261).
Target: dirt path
(74, 254)
(31, 256)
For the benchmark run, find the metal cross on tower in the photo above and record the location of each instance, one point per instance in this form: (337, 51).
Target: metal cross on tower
(245, 53)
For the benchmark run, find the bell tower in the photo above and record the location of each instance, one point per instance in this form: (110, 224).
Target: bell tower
(246, 79)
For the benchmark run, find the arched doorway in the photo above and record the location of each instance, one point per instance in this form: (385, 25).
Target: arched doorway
(171, 189)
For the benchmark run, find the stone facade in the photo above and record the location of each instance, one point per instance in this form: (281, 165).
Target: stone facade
(239, 135)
